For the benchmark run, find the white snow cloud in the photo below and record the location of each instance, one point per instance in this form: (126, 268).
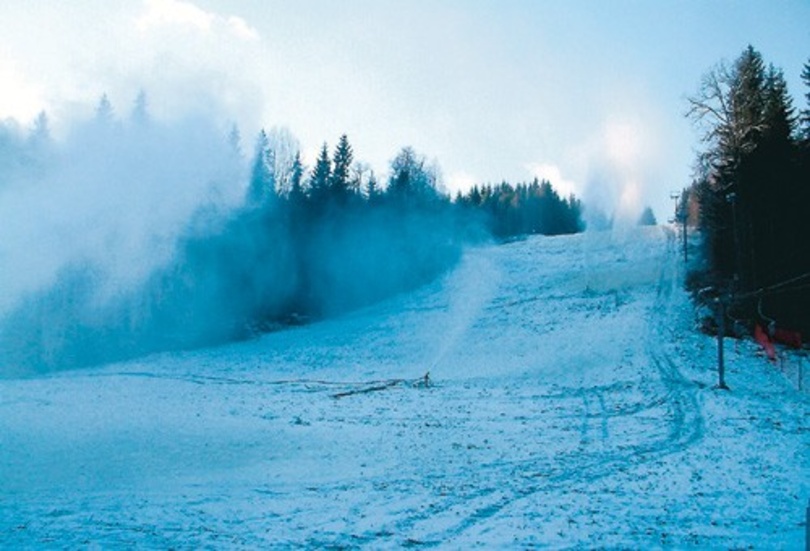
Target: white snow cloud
(553, 173)
(188, 60)
(169, 12)
(460, 181)
(240, 28)
(160, 13)
(18, 97)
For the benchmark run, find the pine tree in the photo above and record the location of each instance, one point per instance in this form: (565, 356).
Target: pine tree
(747, 98)
(296, 195)
(40, 133)
(104, 111)
(262, 186)
(647, 218)
(235, 141)
(341, 165)
(778, 113)
(805, 113)
(373, 192)
(296, 178)
(475, 196)
(39, 145)
(751, 185)
(140, 113)
(731, 106)
(320, 178)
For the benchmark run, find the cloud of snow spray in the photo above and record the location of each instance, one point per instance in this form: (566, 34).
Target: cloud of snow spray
(473, 285)
(86, 221)
(621, 176)
(135, 237)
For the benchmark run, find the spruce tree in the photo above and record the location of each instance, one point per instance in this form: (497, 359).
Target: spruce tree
(320, 178)
(805, 113)
(40, 133)
(104, 111)
(730, 105)
(296, 179)
(647, 218)
(140, 112)
(373, 192)
(262, 187)
(778, 113)
(235, 141)
(341, 165)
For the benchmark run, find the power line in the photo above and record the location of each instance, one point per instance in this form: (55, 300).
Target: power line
(776, 287)
(788, 290)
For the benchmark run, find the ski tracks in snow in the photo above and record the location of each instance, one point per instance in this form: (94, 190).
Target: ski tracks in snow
(687, 419)
(559, 415)
(654, 415)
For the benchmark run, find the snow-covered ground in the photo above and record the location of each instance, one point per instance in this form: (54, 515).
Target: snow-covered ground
(570, 404)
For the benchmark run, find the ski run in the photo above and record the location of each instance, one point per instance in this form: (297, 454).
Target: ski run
(551, 392)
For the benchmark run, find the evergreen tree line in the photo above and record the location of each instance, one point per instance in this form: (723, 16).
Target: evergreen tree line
(300, 243)
(752, 191)
(523, 209)
(313, 243)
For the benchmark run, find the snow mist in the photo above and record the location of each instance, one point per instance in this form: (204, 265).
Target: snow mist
(131, 237)
(622, 175)
(87, 221)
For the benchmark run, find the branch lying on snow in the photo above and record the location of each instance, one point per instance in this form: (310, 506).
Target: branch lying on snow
(421, 382)
(366, 386)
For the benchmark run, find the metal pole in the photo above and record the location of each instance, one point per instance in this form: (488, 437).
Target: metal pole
(732, 198)
(721, 332)
(807, 527)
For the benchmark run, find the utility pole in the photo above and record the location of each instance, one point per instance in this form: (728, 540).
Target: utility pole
(731, 197)
(807, 527)
(721, 333)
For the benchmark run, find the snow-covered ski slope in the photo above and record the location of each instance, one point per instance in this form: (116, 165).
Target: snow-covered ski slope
(571, 405)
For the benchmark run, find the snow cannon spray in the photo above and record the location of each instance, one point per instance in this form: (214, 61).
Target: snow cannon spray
(469, 288)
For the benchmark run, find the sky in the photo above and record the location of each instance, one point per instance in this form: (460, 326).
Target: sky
(588, 94)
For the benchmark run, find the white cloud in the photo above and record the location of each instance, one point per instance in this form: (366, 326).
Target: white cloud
(169, 12)
(18, 97)
(552, 173)
(240, 28)
(624, 141)
(162, 13)
(187, 59)
(460, 181)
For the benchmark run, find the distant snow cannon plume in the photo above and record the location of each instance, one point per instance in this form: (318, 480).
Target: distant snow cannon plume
(88, 221)
(620, 172)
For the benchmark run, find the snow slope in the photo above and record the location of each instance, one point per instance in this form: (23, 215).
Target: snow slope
(570, 405)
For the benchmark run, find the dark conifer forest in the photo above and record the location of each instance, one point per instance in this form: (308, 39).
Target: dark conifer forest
(524, 209)
(751, 193)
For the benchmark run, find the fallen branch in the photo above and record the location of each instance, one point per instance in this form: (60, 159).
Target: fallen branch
(421, 382)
